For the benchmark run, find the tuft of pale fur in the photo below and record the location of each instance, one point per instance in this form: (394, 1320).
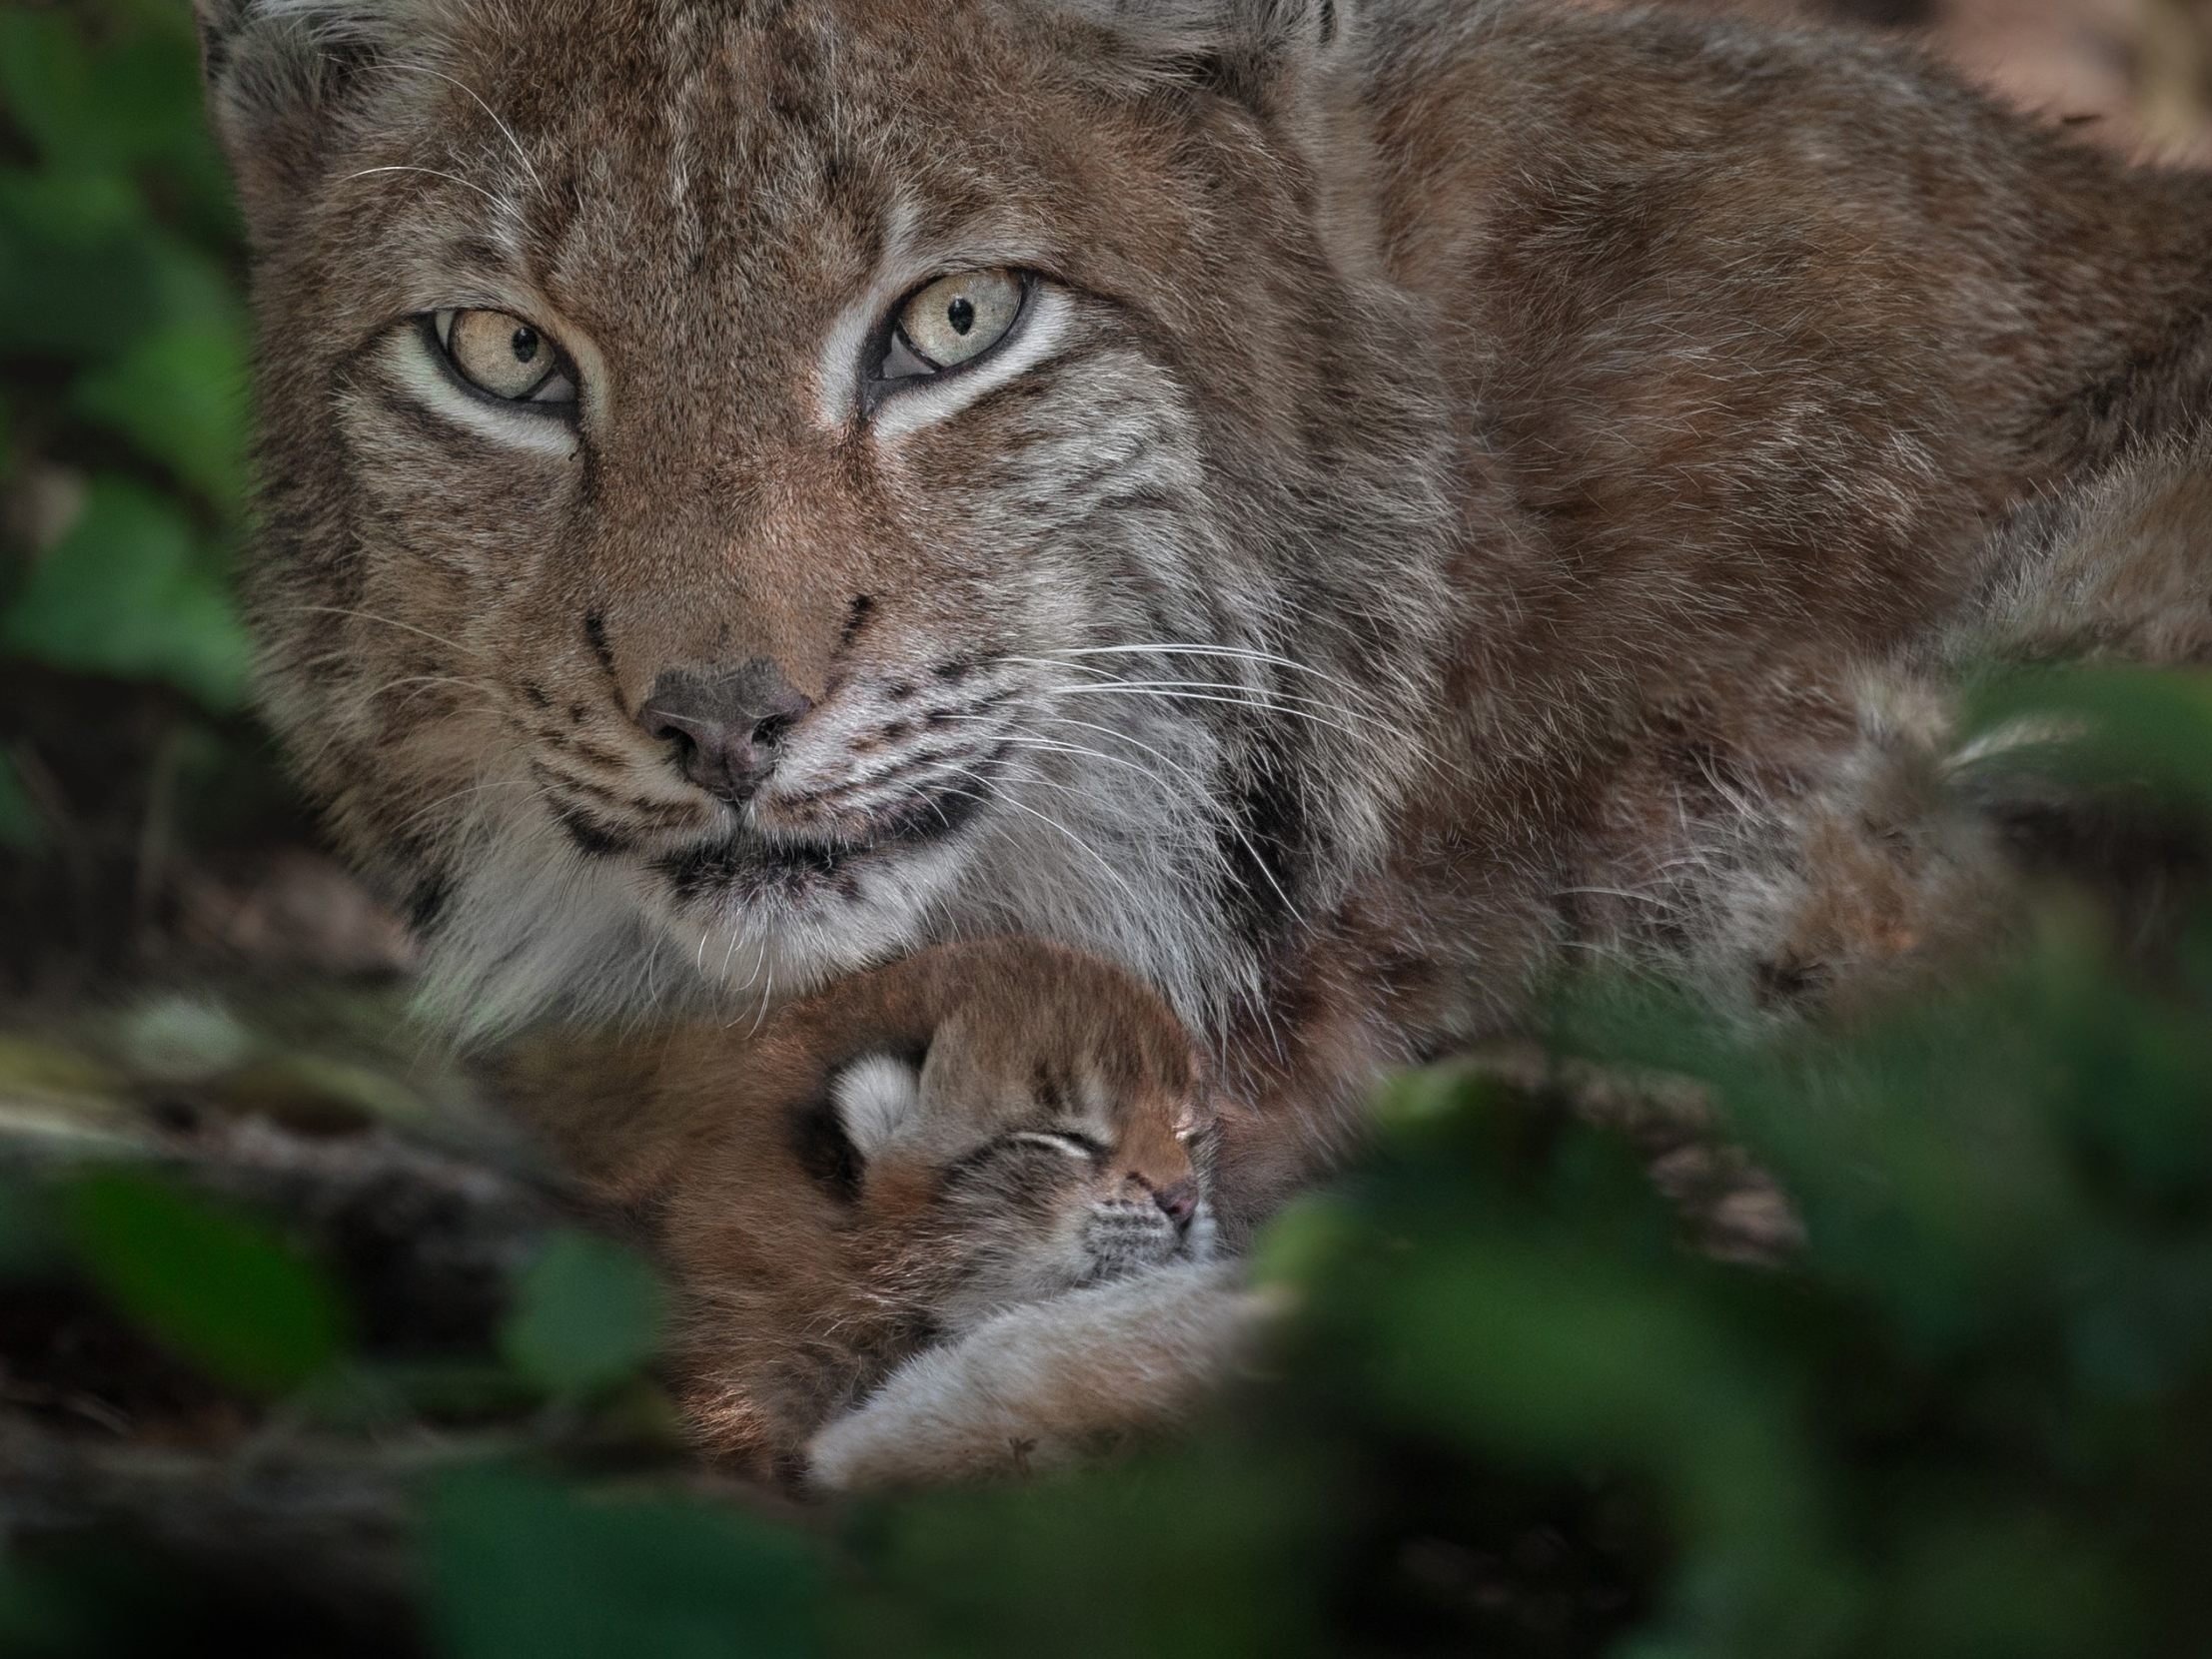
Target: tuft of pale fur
(1050, 1385)
(2116, 568)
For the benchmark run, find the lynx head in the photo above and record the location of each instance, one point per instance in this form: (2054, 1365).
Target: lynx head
(747, 487)
(1020, 1188)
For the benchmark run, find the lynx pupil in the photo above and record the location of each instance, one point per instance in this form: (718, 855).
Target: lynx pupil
(961, 314)
(526, 344)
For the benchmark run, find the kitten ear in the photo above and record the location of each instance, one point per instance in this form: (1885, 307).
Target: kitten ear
(874, 1098)
(282, 77)
(1247, 50)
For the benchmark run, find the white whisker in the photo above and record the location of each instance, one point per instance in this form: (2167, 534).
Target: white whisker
(1235, 653)
(1166, 690)
(1195, 782)
(1287, 702)
(506, 131)
(498, 202)
(409, 823)
(1076, 840)
(372, 616)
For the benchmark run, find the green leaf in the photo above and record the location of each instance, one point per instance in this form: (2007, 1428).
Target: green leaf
(130, 592)
(145, 106)
(46, 80)
(2104, 726)
(135, 100)
(587, 1314)
(220, 1289)
(522, 1568)
(179, 394)
(86, 272)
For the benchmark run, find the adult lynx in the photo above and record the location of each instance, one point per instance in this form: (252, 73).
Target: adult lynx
(1301, 499)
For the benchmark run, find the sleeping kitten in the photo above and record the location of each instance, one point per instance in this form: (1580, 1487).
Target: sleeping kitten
(899, 1194)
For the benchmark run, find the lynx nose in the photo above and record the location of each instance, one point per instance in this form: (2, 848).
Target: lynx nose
(723, 727)
(1178, 1201)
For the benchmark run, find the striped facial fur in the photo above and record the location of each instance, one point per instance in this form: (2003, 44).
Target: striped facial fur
(737, 502)
(1027, 1190)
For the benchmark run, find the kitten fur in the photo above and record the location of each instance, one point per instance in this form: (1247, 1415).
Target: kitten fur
(896, 1165)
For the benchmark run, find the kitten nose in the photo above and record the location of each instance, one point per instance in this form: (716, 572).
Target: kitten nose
(723, 727)
(1178, 1201)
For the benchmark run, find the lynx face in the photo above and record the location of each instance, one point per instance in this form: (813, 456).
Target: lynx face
(1022, 1193)
(749, 488)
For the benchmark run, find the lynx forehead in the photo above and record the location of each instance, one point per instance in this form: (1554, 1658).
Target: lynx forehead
(739, 502)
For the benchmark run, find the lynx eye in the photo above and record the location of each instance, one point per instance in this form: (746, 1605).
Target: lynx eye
(952, 321)
(505, 357)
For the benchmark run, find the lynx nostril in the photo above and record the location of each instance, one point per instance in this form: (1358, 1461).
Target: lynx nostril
(723, 729)
(659, 724)
(767, 733)
(1178, 1201)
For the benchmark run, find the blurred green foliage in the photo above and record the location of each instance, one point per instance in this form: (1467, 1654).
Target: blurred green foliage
(1513, 1416)
(521, 1567)
(123, 666)
(587, 1317)
(275, 1322)
(123, 346)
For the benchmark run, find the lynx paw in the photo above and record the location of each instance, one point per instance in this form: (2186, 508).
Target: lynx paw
(1047, 1385)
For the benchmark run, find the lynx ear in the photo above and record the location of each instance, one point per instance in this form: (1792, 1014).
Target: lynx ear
(282, 78)
(1249, 50)
(874, 1099)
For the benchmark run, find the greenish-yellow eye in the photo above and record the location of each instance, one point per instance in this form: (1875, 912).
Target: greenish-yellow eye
(505, 356)
(955, 319)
